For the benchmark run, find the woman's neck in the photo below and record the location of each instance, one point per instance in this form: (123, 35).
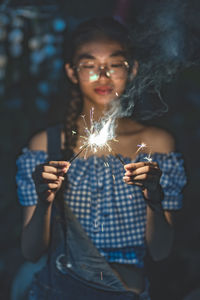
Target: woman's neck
(91, 113)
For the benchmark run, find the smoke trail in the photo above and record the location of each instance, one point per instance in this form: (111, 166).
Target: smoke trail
(165, 38)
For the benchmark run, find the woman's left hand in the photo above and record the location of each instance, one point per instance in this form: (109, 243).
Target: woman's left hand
(146, 175)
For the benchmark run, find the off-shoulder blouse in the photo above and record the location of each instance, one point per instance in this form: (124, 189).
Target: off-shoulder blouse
(112, 213)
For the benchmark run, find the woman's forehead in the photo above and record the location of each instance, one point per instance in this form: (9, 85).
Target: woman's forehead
(99, 49)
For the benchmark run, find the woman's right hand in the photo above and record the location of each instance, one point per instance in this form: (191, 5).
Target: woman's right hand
(48, 178)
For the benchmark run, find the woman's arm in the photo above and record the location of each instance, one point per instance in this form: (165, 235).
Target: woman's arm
(159, 225)
(159, 233)
(36, 219)
(36, 230)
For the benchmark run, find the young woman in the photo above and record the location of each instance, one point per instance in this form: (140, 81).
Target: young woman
(96, 218)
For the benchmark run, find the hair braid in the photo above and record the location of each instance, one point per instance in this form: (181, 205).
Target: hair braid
(70, 123)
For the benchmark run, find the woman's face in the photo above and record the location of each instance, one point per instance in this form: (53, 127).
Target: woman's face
(101, 71)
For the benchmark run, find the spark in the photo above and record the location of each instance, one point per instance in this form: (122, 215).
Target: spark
(98, 136)
(141, 146)
(148, 158)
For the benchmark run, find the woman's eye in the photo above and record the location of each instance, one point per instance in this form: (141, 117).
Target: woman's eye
(117, 65)
(88, 66)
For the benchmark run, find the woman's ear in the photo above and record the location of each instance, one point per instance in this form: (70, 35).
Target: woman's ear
(71, 73)
(134, 70)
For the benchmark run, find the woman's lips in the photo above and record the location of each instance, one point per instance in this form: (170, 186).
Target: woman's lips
(103, 90)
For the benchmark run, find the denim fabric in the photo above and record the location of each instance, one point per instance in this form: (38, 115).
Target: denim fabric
(71, 289)
(78, 272)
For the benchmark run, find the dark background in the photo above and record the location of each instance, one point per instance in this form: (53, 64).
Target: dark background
(32, 96)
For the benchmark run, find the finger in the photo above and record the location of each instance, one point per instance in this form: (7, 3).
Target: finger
(142, 177)
(47, 186)
(142, 170)
(140, 184)
(61, 166)
(51, 177)
(133, 166)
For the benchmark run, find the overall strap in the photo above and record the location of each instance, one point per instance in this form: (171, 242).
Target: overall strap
(54, 142)
(84, 262)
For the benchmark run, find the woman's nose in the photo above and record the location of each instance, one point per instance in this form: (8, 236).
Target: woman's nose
(103, 71)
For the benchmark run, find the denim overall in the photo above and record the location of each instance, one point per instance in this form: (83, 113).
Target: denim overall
(75, 270)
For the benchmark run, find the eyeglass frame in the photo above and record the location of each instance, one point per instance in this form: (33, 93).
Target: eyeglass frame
(101, 68)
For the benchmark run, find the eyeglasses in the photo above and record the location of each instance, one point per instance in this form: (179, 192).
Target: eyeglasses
(91, 71)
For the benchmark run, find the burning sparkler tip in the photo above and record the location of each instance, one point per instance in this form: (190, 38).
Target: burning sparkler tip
(141, 146)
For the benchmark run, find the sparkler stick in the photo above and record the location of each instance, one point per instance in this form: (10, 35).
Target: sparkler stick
(83, 148)
(117, 155)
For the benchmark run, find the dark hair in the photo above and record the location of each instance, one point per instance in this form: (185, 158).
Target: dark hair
(97, 28)
(93, 29)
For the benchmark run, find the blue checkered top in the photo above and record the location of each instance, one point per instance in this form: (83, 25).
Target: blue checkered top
(112, 213)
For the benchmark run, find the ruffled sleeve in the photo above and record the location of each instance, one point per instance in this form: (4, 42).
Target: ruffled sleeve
(26, 164)
(173, 178)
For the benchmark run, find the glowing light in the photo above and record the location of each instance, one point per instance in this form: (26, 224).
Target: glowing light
(99, 139)
(93, 77)
(97, 136)
(141, 146)
(148, 158)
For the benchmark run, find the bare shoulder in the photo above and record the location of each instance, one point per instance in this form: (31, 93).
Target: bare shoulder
(39, 141)
(159, 139)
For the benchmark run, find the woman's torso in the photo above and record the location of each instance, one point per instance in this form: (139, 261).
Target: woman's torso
(129, 137)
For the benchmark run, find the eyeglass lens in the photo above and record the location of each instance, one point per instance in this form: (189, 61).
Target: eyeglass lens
(91, 71)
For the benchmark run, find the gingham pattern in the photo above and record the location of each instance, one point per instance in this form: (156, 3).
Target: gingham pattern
(112, 212)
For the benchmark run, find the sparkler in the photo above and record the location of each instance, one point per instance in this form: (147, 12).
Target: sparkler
(141, 146)
(98, 136)
(117, 155)
(82, 148)
(148, 158)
